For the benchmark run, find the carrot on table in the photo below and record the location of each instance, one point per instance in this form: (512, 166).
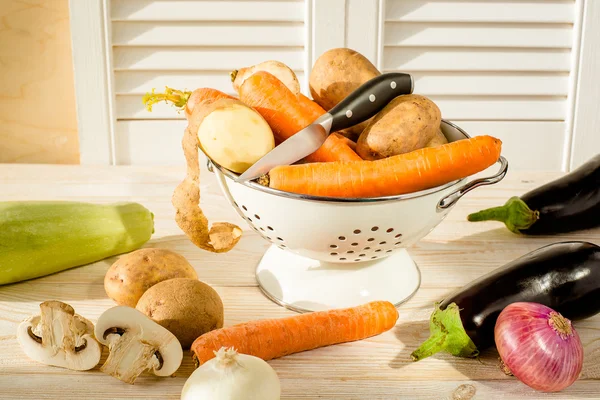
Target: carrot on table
(273, 338)
(183, 100)
(287, 114)
(405, 173)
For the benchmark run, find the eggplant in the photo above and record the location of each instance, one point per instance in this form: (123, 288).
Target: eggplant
(564, 276)
(568, 204)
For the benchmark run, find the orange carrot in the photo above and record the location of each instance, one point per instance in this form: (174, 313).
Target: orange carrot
(405, 173)
(183, 100)
(273, 338)
(286, 114)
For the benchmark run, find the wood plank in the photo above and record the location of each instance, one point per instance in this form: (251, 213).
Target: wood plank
(478, 35)
(453, 254)
(490, 84)
(202, 58)
(208, 34)
(141, 82)
(178, 10)
(474, 59)
(36, 68)
(138, 142)
(480, 11)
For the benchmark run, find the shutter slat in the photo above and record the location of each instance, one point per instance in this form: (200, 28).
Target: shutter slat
(173, 10)
(137, 141)
(454, 107)
(478, 35)
(133, 82)
(480, 11)
(491, 84)
(208, 34)
(460, 59)
(203, 58)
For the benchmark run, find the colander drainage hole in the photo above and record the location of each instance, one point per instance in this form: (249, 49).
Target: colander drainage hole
(390, 230)
(374, 257)
(367, 248)
(357, 259)
(269, 228)
(362, 255)
(342, 238)
(333, 246)
(350, 252)
(397, 243)
(268, 237)
(375, 228)
(280, 239)
(354, 244)
(389, 251)
(370, 239)
(398, 235)
(342, 258)
(262, 229)
(333, 254)
(377, 251)
(382, 242)
(357, 231)
(249, 219)
(244, 207)
(256, 216)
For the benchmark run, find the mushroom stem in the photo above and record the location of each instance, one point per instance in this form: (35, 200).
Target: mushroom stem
(129, 357)
(57, 327)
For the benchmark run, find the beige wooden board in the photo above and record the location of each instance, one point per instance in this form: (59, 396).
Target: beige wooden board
(38, 121)
(377, 368)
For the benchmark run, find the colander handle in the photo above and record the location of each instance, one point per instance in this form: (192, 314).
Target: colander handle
(453, 197)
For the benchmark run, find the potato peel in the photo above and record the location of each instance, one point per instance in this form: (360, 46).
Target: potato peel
(222, 236)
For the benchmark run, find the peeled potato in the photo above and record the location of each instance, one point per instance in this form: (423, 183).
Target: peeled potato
(234, 135)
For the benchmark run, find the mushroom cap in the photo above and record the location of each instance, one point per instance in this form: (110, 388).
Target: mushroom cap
(135, 322)
(82, 360)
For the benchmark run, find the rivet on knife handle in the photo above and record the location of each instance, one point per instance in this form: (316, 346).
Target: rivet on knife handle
(369, 99)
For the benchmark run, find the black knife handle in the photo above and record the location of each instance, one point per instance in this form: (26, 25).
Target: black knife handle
(369, 99)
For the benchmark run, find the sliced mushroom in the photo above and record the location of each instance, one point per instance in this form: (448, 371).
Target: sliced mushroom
(136, 344)
(59, 337)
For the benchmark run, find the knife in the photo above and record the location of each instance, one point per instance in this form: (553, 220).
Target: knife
(358, 106)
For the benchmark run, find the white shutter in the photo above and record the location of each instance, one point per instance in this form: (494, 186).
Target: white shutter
(188, 44)
(498, 67)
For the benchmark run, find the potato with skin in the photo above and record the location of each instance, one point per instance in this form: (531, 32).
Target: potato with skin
(336, 74)
(134, 273)
(187, 308)
(407, 123)
(438, 140)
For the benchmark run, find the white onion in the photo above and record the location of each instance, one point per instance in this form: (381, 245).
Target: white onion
(232, 376)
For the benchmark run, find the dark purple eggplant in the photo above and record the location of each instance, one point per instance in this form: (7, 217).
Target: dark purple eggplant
(568, 204)
(564, 276)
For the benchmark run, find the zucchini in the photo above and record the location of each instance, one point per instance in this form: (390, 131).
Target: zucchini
(39, 238)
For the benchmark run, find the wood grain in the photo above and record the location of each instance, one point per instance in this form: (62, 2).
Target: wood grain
(37, 98)
(453, 254)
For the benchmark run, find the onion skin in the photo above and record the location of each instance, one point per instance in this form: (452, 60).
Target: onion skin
(539, 346)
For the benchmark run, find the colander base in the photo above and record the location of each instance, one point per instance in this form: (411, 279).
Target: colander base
(304, 285)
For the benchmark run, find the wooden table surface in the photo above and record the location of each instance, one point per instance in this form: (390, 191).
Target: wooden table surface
(455, 253)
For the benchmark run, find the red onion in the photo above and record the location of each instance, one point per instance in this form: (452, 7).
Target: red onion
(539, 346)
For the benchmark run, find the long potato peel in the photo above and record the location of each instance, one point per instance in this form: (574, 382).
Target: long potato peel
(222, 236)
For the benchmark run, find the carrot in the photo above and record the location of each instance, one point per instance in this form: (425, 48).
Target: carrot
(273, 338)
(183, 100)
(287, 115)
(405, 173)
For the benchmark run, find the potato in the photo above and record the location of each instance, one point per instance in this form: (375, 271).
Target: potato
(438, 140)
(187, 308)
(134, 273)
(234, 135)
(407, 123)
(276, 68)
(336, 74)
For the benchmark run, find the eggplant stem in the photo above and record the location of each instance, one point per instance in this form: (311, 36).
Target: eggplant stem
(446, 334)
(515, 214)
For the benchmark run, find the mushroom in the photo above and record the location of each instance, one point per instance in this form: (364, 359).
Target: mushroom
(59, 337)
(136, 344)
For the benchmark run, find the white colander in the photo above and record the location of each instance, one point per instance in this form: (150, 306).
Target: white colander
(331, 253)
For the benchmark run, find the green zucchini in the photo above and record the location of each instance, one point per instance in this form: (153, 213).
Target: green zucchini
(39, 238)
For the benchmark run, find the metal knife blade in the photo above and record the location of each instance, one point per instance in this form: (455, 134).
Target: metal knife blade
(303, 143)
